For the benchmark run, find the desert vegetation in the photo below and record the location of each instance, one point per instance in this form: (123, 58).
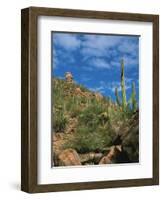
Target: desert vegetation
(90, 129)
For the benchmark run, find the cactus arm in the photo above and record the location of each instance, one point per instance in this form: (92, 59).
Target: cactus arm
(133, 98)
(117, 97)
(129, 103)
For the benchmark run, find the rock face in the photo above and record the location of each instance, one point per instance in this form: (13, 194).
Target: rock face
(130, 144)
(129, 141)
(68, 157)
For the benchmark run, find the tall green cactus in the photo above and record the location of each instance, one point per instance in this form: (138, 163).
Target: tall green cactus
(131, 103)
(124, 102)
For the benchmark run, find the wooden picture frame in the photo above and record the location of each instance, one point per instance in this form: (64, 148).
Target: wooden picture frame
(29, 112)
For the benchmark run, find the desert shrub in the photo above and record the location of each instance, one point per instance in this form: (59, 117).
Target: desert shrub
(72, 106)
(83, 88)
(88, 140)
(68, 104)
(94, 131)
(75, 111)
(59, 122)
(90, 115)
(116, 114)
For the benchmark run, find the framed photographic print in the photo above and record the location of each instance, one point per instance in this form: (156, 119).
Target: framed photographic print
(90, 99)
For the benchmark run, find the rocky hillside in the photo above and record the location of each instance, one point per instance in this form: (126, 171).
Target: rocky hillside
(90, 129)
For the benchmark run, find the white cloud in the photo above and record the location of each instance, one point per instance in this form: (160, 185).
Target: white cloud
(85, 79)
(112, 47)
(67, 41)
(61, 56)
(98, 89)
(99, 63)
(92, 52)
(119, 88)
(128, 80)
(55, 60)
(115, 63)
(95, 48)
(100, 41)
(105, 87)
(99, 45)
(112, 52)
(130, 61)
(128, 47)
(115, 84)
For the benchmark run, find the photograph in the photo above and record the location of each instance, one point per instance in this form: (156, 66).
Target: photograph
(89, 99)
(95, 99)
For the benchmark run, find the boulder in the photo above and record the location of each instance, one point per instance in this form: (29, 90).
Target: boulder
(90, 158)
(68, 157)
(111, 156)
(78, 91)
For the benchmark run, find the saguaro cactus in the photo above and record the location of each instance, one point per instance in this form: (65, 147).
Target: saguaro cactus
(131, 103)
(124, 103)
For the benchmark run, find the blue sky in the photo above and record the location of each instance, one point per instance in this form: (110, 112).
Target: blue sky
(94, 60)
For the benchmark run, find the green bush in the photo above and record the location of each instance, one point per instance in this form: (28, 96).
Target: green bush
(91, 116)
(89, 140)
(59, 122)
